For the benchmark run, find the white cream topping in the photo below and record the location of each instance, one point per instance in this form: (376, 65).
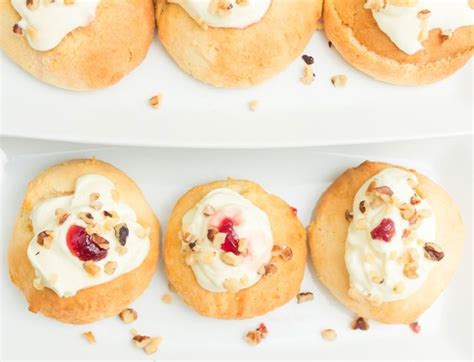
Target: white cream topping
(403, 25)
(56, 266)
(225, 13)
(47, 22)
(376, 267)
(250, 223)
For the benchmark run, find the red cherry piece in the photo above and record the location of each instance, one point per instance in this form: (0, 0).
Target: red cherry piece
(231, 243)
(384, 231)
(82, 246)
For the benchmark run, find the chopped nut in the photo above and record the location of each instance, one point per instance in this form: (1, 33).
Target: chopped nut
(267, 269)
(38, 284)
(32, 4)
(94, 196)
(128, 315)
(121, 233)
(61, 216)
(339, 81)
(155, 101)
(167, 298)
(253, 105)
(152, 347)
(121, 250)
(109, 267)
(360, 323)
(86, 217)
(329, 334)
(304, 297)
(93, 229)
(285, 252)
(91, 268)
(414, 200)
(308, 75)
(376, 202)
(407, 211)
(45, 238)
(188, 238)
(243, 246)
(100, 242)
(17, 29)
(376, 277)
(410, 270)
(415, 222)
(231, 259)
(362, 207)
(231, 285)
(256, 336)
(433, 252)
(424, 14)
(141, 341)
(348, 215)
(208, 210)
(89, 336)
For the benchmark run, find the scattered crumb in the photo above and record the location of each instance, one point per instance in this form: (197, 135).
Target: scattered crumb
(304, 297)
(128, 315)
(330, 44)
(152, 347)
(167, 298)
(308, 75)
(133, 331)
(255, 337)
(339, 81)
(253, 105)
(155, 101)
(329, 334)
(89, 336)
(148, 344)
(415, 327)
(360, 323)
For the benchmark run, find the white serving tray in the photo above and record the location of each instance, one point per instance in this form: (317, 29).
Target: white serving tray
(197, 115)
(297, 175)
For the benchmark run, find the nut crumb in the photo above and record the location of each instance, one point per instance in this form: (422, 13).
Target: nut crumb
(152, 347)
(304, 297)
(167, 298)
(128, 315)
(253, 105)
(155, 101)
(329, 334)
(91, 268)
(141, 341)
(255, 337)
(308, 75)
(360, 323)
(89, 336)
(339, 81)
(109, 267)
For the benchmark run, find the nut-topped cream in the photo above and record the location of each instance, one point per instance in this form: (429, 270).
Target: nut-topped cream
(391, 238)
(408, 22)
(225, 13)
(46, 22)
(85, 239)
(227, 241)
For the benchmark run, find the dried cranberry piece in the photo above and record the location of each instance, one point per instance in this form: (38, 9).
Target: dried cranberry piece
(294, 210)
(82, 245)
(384, 231)
(231, 243)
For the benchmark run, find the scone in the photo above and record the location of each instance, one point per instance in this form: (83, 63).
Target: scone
(233, 251)
(386, 241)
(77, 44)
(402, 42)
(235, 43)
(85, 244)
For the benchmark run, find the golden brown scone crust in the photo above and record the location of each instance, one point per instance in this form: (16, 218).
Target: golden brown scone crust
(270, 292)
(96, 56)
(327, 239)
(238, 57)
(355, 34)
(98, 302)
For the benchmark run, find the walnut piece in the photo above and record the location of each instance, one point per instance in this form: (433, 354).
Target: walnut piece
(128, 315)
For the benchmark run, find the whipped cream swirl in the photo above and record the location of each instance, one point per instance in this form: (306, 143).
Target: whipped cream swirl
(46, 22)
(55, 264)
(228, 240)
(225, 13)
(407, 25)
(385, 247)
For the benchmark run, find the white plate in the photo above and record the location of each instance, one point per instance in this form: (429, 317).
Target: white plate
(197, 115)
(299, 176)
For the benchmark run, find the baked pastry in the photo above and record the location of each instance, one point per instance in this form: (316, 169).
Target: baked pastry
(386, 241)
(233, 251)
(235, 43)
(402, 42)
(85, 244)
(77, 44)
